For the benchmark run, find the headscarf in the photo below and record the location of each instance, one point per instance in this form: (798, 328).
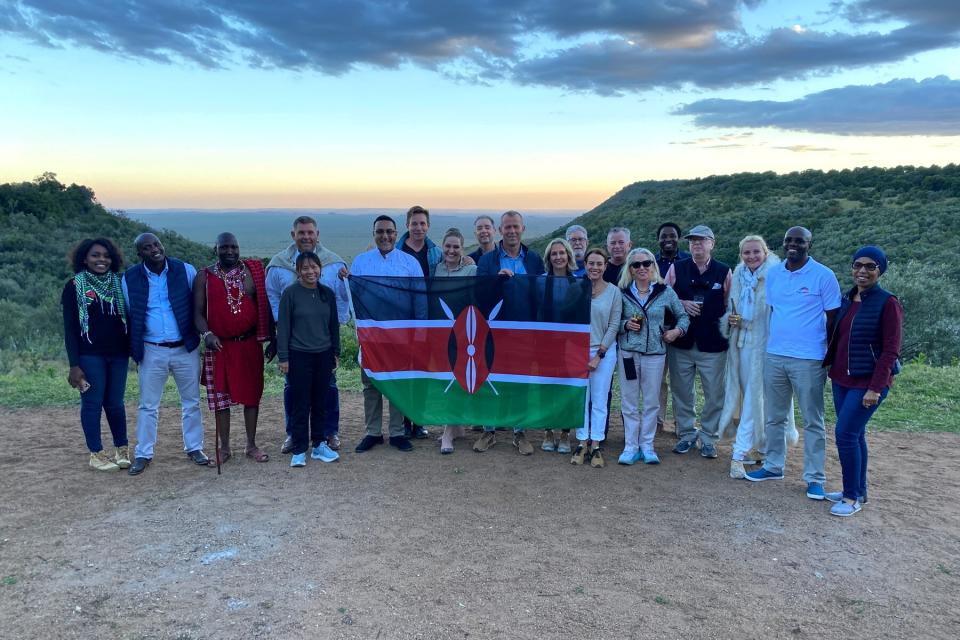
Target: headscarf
(748, 292)
(874, 253)
(107, 289)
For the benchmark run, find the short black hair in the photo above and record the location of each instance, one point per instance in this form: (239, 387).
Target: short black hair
(674, 225)
(383, 217)
(304, 220)
(308, 255)
(79, 254)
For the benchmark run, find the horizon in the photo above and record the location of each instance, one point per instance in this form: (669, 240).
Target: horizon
(536, 107)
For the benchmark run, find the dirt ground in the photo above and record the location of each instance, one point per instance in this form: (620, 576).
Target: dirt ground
(417, 545)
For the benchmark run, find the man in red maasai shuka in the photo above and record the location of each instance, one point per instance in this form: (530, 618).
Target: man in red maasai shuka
(233, 317)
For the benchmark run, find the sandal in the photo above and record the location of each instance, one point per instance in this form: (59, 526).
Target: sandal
(257, 455)
(223, 456)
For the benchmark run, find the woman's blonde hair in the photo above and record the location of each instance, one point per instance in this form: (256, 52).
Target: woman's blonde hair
(626, 277)
(571, 261)
(763, 244)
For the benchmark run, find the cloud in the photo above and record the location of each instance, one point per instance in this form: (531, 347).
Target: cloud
(897, 108)
(804, 148)
(607, 47)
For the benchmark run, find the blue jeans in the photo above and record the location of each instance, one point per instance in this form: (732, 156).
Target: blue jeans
(108, 380)
(331, 408)
(851, 434)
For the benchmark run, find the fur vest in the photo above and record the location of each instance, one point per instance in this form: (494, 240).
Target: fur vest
(754, 335)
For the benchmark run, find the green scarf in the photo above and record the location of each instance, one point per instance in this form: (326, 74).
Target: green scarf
(107, 289)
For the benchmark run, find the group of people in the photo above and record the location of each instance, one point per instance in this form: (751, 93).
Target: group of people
(759, 337)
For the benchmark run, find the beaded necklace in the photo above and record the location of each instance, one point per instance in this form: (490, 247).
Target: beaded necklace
(233, 282)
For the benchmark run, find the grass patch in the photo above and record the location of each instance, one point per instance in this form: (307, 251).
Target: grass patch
(923, 397)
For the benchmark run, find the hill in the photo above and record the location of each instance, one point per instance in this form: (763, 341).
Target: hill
(911, 212)
(42, 221)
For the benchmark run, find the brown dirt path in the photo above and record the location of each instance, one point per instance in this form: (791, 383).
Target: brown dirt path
(418, 545)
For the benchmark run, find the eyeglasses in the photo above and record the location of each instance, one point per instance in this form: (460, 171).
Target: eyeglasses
(646, 264)
(387, 232)
(867, 266)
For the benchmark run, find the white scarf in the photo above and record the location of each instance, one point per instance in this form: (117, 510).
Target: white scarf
(748, 292)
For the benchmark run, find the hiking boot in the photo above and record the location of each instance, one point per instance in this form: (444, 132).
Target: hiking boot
(485, 441)
(549, 441)
(121, 457)
(596, 459)
(578, 455)
(101, 462)
(564, 446)
(520, 442)
(287, 446)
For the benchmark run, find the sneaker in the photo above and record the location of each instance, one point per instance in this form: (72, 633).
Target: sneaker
(845, 509)
(334, 442)
(298, 460)
(549, 441)
(485, 441)
(287, 445)
(564, 446)
(629, 457)
(596, 459)
(401, 442)
(815, 490)
(121, 457)
(101, 462)
(578, 455)
(762, 474)
(520, 442)
(324, 453)
(420, 432)
(707, 450)
(650, 457)
(683, 446)
(837, 496)
(737, 471)
(368, 442)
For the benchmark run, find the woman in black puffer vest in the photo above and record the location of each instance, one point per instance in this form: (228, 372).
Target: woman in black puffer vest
(863, 358)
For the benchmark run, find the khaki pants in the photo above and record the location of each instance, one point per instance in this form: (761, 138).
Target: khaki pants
(373, 411)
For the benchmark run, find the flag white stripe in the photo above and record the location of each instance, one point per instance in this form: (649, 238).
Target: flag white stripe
(496, 324)
(493, 377)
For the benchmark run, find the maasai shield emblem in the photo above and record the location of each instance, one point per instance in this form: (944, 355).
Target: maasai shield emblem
(470, 332)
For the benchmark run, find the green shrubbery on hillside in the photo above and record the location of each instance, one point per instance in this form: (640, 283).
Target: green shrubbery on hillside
(909, 211)
(41, 221)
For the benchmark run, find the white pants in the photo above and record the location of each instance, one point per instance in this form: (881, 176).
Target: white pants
(638, 431)
(744, 440)
(158, 363)
(595, 420)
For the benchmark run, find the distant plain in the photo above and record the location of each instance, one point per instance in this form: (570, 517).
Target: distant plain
(263, 232)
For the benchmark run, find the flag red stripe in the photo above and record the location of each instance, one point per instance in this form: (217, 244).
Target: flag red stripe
(528, 352)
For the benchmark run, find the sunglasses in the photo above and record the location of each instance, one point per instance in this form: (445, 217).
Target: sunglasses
(646, 264)
(867, 266)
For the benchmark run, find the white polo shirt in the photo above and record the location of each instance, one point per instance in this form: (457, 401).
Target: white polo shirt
(798, 301)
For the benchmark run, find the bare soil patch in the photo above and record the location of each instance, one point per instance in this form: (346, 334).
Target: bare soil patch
(417, 545)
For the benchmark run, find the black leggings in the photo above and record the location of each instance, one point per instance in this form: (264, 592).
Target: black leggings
(309, 378)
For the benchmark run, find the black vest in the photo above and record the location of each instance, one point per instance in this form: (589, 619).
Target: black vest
(866, 335)
(181, 300)
(704, 329)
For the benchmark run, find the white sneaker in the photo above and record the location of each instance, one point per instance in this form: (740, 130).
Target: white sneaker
(549, 442)
(736, 470)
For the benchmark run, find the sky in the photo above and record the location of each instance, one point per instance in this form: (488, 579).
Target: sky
(522, 104)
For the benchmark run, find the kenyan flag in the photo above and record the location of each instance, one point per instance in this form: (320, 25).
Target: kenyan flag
(485, 350)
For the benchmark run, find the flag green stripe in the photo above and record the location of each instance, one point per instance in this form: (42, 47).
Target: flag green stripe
(528, 406)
